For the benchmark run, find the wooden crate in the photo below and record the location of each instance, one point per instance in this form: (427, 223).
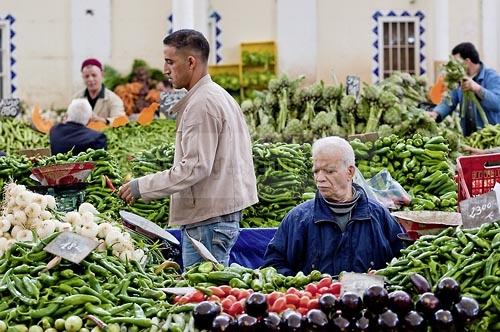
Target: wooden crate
(225, 69)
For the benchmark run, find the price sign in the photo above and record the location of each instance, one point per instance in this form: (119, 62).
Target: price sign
(357, 282)
(353, 85)
(71, 246)
(10, 107)
(480, 210)
(169, 99)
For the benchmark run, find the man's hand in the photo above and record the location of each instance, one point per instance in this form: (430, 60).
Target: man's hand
(433, 115)
(468, 84)
(125, 193)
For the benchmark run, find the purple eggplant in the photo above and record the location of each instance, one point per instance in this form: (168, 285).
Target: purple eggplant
(465, 311)
(376, 299)
(400, 302)
(204, 314)
(388, 321)
(340, 324)
(291, 321)
(247, 323)
(448, 292)
(316, 321)
(256, 305)
(362, 324)
(222, 323)
(272, 322)
(420, 284)
(351, 305)
(443, 321)
(328, 303)
(414, 322)
(428, 304)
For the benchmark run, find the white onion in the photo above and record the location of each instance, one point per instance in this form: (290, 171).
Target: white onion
(87, 207)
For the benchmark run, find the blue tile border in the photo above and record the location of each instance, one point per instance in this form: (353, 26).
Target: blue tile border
(376, 47)
(12, 60)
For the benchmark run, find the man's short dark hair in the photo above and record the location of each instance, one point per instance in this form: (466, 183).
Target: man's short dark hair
(189, 39)
(467, 50)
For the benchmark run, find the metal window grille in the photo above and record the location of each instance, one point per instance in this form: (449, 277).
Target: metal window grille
(399, 39)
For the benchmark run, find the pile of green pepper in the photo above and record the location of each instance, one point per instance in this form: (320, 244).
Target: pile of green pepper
(420, 164)
(101, 285)
(17, 135)
(264, 280)
(470, 256)
(488, 137)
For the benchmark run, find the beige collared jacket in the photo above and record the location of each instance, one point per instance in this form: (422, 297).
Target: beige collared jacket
(109, 107)
(213, 172)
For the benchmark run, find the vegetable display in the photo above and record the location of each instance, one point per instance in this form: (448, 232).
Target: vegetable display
(469, 256)
(486, 138)
(17, 135)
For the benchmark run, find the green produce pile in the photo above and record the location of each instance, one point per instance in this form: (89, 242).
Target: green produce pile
(470, 256)
(101, 285)
(264, 280)
(418, 163)
(283, 173)
(486, 138)
(228, 81)
(15, 167)
(257, 58)
(17, 135)
(125, 142)
(288, 113)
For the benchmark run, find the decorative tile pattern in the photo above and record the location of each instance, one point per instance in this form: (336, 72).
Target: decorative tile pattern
(12, 47)
(376, 50)
(170, 20)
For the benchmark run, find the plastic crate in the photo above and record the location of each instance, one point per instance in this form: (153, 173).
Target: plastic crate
(477, 174)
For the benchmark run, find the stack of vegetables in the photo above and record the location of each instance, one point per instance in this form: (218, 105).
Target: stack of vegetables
(418, 163)
(17, 135)
(469, 256)
(282, 177)
(137, 89)
(486, 138)
(15, 167)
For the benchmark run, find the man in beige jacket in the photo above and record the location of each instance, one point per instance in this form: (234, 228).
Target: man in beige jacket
(106, 105)
(212, 178)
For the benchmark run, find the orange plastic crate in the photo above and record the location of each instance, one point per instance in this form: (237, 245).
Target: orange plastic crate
(477, 174)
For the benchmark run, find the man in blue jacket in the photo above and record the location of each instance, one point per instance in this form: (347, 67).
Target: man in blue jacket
(341, 229)
(73, 134)
(484, 82)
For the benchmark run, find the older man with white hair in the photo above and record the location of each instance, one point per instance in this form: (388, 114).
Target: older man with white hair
(73, 133)
(341, 229)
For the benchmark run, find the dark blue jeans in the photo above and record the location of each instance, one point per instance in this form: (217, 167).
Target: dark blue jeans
(218, 236)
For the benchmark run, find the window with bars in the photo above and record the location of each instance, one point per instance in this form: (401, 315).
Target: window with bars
(398, 45)
(4, 60)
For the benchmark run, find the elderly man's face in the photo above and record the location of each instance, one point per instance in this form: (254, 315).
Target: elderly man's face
(333, 179)
(92, 76)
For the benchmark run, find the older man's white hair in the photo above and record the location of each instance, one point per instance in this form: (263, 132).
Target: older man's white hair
(334, 144)
(79, 111)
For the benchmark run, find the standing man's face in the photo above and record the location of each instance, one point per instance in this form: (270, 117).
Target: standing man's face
(177, 67)
(92, 76)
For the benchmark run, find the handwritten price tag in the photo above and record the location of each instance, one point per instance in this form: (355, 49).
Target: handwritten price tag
(10, 107)
(480, 210)
(71, 246)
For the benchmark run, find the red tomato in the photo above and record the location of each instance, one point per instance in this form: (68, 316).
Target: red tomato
(279, 305)
(183, 299)
(303, 310)
(292, 290)
(213, 298)
(271, 298)
(226, 289)
(323, 290)
(232, 298)
(292, 299)
(311, 288)
(325, 282)
(291, 306)
(226, 303)
(235, 292)
(335, 288)
(217, 291)
(235, 309)
(177, 298)
(304, 301)
(309, 294)
(244, 293)
(313, 304)
(196, 296)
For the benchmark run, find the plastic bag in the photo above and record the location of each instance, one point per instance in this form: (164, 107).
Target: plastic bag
(383, 189)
